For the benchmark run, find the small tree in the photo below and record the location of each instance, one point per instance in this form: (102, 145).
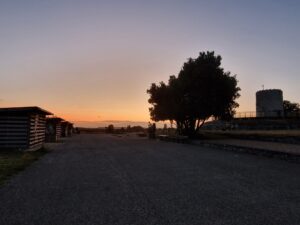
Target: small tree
(291, 108)
(110, 129)
(201, 90)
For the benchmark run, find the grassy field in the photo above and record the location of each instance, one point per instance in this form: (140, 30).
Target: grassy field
(11, 162)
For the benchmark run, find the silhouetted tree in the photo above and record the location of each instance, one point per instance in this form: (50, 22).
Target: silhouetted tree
(135, 129)
(110, 129)
(201, 90)
(291, 108)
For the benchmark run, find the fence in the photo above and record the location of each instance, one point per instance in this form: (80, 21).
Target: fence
(268, 114)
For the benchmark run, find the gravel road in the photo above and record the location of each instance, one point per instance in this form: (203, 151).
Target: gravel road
(105, 180)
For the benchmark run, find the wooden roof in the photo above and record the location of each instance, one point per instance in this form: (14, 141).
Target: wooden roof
(23, 110)
(67, 122)
(54, 119)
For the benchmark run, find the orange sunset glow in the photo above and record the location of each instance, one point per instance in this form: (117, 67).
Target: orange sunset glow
(94, 62)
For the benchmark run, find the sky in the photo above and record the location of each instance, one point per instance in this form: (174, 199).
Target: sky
(91, 62)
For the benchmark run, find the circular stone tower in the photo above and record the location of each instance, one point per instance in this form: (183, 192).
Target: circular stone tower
(269, 103)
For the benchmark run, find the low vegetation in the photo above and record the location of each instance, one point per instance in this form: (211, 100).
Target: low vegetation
(11, 162)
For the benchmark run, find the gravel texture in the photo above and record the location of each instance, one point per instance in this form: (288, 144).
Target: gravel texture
(105, 180)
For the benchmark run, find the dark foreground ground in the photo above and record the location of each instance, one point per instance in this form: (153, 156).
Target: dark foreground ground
(103, 180)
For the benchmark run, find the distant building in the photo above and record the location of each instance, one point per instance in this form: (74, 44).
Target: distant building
(66, 129)
(53, 129)
(269, 103)
(22, 128)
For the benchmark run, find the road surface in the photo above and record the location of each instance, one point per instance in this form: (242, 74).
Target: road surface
(105, 180)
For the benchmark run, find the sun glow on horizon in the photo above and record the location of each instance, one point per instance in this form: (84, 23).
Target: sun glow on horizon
(94, 60)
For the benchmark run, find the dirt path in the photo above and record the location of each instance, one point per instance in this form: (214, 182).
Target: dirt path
(101, 179)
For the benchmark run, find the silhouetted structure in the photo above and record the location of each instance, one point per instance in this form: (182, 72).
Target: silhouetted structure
(66, 129)
(151, 130)
(53, 129)
(22, 128)
(269, 103)
(71, 129)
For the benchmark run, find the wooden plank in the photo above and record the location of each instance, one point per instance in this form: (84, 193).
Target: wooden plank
(37, 134)
(13, 125)
(13, 146)
(13, 138)
(17, 135)
(36, 139)
(20, 122)
(13, 118)
(2, 131)
(37, 131)
(36, 143)
(11, 142)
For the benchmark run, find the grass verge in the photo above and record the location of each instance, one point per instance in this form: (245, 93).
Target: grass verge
(11, 162)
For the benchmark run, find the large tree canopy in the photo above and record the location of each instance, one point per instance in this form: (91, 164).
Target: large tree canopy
(201, 90)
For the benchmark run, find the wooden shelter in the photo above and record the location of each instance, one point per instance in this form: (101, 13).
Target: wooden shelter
(66, 128)
(70, 129)
(22, 128)
(53, 129)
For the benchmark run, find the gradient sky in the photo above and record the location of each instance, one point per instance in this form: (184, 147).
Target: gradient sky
(93, 60)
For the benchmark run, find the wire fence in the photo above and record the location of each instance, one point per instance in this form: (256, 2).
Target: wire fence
(266, 114)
